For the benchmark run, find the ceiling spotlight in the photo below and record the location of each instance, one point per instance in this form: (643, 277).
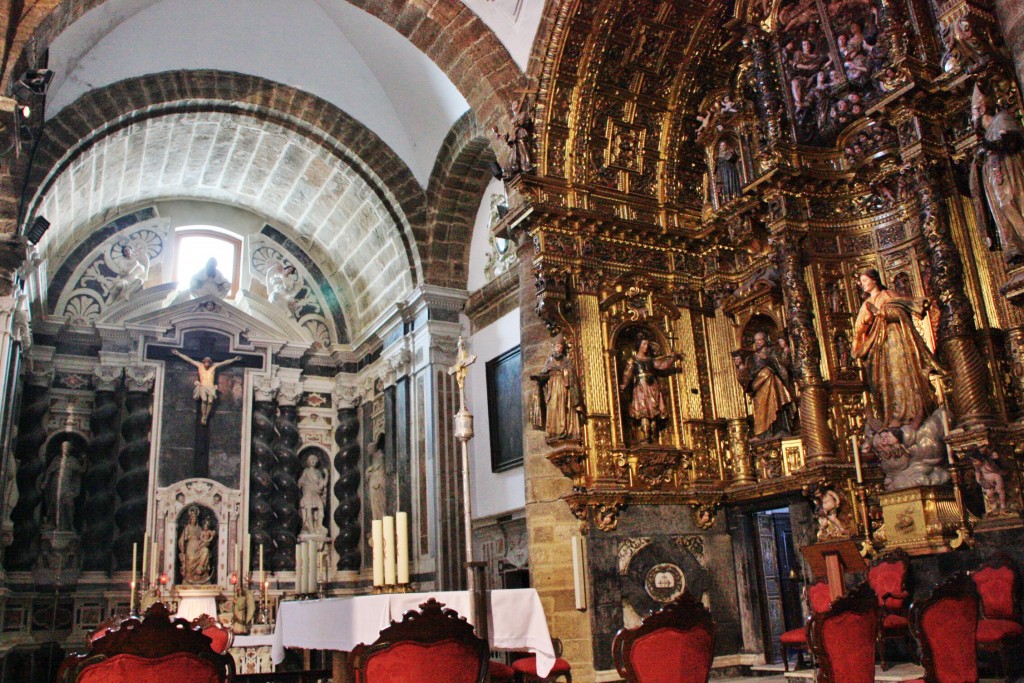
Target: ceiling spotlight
(33, 82)
(36, 231)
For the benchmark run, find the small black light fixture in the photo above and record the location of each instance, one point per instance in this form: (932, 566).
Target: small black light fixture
(36, 231)
(33, 83)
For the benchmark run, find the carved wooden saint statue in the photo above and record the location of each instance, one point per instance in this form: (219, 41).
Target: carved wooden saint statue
(647, 403)
(766, 378)
(206, 386)
(560, 388)
(194, 549)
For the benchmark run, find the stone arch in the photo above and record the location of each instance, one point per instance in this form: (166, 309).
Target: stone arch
(457, 183)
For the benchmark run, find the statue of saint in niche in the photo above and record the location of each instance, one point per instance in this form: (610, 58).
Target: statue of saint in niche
(313, 484)
(644, 371)
(767, 379)
(194, 549)
(728, 166)
(206, 386)
(209, 282)
(376, 479)
(61, 484)
(560, 388)
(997, 178)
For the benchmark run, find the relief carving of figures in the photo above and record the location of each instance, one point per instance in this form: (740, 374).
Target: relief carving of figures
(997, 176)
(60, 485)
(767, 379)
(558, 384)
(644, 373)
(313, 484)
(194, 549)
(209, 282)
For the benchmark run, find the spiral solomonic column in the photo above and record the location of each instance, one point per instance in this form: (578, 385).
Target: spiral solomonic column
(348, 542)
(21, 555)
(287, 520)
(261, 485)
(132, 485)
(100, 479)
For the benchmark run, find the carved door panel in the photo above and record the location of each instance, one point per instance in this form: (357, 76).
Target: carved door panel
(787, 559)
(771, 588)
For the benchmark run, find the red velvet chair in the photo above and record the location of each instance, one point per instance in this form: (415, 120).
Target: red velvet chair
(154, 649)
(999, 628)
(525, 668)
(888, 576)
(501, 672)
(220, 635)
(819, 596)
(944, 624)
(676, 644)
(433, 645)
(843, 639)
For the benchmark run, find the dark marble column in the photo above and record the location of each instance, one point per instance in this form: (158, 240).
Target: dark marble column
(261, 485)
(21, 555)
(814, 427)
(285, 502)
(133, 484)
(100, 478)
(348, 542)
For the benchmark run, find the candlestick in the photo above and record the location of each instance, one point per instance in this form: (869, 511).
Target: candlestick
(263, 577)
(856, 458)
(135, 559)
(389, 550)
(402, 548)
(377, 538)
(945, 429)
(236, 555)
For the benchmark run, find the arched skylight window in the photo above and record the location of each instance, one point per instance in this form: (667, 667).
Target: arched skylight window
(197, 244)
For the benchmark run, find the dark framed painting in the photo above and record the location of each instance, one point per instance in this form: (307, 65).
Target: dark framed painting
(505, 409)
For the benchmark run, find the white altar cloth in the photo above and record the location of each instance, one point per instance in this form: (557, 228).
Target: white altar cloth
(517, 621)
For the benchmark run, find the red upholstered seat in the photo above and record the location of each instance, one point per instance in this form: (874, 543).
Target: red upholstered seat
(220, 636)
(154, 649)
(433, 645)
(528, 665)
(944, 625)
(501, 672)
(676, 644)
(179, 668)
(999, 629)
(992, 630)
(843, 638)
(888, 577)
(819, 596)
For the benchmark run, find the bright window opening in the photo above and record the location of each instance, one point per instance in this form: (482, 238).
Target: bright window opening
(196, 246)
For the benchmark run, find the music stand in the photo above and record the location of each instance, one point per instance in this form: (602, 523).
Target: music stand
(832, 561)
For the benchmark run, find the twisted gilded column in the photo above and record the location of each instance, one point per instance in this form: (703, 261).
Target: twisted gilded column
(133, 484)
(770, 103)
(100, 478)
(22, 552)
(285, 502)
(814, 427)
(348, 542)
(261, 485)
(971, 405)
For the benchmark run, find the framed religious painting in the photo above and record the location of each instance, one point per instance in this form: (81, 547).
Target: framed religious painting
(505, 409)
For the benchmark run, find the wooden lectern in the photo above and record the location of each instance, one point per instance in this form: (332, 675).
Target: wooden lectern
(832, 561)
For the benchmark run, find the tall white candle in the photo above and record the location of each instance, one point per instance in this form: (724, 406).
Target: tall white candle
(945, 430)
(856, 458)
(263, 578)
(236, 556)
(135, 559)
(246, 554)
(402, 547)
(300, 568)
(389, 550)
(144, 567)
(377, 539)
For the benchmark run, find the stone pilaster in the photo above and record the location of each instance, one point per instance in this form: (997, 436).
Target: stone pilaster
(549, 522)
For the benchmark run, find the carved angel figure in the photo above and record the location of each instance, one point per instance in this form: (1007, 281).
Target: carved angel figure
(132, 271)
(283, 285)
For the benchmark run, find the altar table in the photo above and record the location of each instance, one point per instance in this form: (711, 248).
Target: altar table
(517, 621)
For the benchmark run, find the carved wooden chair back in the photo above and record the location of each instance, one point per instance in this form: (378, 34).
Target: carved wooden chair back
(944, 624)
(154, 649)
(433, 645)
(676, 644)
(220, 635)
(843, 639)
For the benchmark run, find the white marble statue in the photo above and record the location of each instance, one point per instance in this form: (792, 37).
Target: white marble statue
(209, 282)
(313, 484)
(194, 549)
(283, 285)
(60, 485)
(132, 271)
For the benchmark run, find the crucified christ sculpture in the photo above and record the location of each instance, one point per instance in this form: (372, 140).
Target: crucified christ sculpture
(206, 386)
